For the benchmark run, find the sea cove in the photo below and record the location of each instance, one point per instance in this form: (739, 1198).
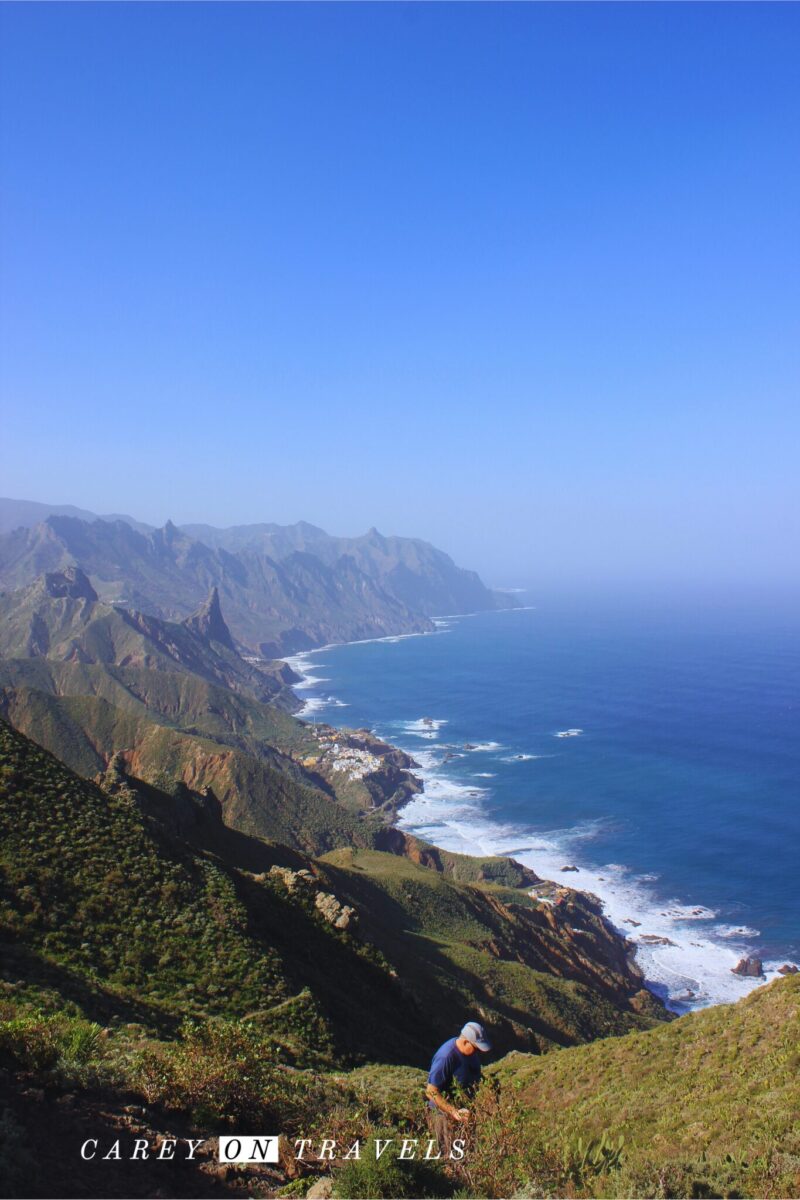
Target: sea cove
(657, 752)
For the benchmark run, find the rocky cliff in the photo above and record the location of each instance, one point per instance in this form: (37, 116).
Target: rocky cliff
(282, 589)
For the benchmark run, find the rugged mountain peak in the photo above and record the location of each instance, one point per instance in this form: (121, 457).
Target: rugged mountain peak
(71, 582)
(209, 622)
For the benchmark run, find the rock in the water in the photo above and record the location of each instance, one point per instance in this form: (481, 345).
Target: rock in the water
(655, 939)
(569, 867)
(788, 969)
(752, 967)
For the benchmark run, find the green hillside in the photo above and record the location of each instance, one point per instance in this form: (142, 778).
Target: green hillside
(262, 790)
(126, 911)
(59, 617)
(121, 893)
(708, 1105)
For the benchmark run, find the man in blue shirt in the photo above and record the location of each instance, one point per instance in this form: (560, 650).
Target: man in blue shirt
(455, 1066)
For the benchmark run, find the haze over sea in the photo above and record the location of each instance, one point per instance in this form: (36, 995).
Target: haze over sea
(678, 798)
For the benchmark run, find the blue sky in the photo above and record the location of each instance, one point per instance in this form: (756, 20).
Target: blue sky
(520, 279)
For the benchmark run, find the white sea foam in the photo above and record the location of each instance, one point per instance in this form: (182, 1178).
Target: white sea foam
(425, 727)
(485, 775)
(482, 747)
(689, 962)
(428, 759)
(302, 665)
(511, 758)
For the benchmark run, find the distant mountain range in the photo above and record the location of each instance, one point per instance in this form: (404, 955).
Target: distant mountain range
(60, 617)
(223, 886)
(283, 588)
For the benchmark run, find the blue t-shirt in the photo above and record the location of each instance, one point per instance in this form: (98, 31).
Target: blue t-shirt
(450, 1065)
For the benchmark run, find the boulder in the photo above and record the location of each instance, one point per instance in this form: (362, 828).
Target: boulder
(788, 969)
(294, 881)
(320, 1190)
(569, 867)
(751, 967)
(341, 916)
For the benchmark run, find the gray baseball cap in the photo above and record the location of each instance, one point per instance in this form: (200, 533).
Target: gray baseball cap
(474, 1033)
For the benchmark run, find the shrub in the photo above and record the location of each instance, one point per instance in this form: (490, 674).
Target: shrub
(372, 1178)
(224, 1071)
(31, 1042)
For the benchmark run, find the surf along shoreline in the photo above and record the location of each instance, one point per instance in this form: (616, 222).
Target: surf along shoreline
(686, 956)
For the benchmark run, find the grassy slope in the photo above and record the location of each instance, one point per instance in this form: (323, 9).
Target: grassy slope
(85, 713)
(492, 954)
(95, 889)
(264, 794)
(105, 913)
(100, 905)
(724, 1081)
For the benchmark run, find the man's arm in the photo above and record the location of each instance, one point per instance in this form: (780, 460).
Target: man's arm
(433, 1093)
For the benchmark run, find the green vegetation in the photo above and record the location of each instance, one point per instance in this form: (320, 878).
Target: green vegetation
(707, 1105)
(115, 931)
(60, 617)
(489, 949)
(371, 1176)
(263, 794)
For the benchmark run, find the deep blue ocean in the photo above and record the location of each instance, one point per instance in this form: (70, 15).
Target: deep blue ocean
(678, 799)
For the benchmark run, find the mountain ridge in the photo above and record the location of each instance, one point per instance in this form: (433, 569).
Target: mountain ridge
(61, 617)
(283, 589)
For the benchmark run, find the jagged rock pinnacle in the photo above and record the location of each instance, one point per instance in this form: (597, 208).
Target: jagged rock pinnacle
(209, 622)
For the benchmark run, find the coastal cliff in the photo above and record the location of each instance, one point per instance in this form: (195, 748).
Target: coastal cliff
(283, 589)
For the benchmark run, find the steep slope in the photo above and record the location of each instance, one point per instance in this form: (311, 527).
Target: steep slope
(708, 1104)
(136, 898)
(531, 972)
(60, 617)
(411, 570)
(281, 589)
(100, 901)
(265, 794)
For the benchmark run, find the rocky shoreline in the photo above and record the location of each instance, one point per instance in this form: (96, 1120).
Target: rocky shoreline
(637, 947)
(589, 946)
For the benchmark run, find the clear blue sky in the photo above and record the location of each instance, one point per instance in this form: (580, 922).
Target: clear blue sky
(520, 279)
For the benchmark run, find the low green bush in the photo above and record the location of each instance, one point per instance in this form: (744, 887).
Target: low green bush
(372, 1178)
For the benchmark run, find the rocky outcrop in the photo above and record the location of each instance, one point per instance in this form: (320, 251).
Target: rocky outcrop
(788, 969)
(751, 967)
(341, 916)
(209, 622)
(71, 583)
(294, 881)
(463, 868)
(330, 908)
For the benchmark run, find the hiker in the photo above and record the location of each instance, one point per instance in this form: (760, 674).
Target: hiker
(455, 1064)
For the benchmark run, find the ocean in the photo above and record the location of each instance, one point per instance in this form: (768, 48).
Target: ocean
(675, 792)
